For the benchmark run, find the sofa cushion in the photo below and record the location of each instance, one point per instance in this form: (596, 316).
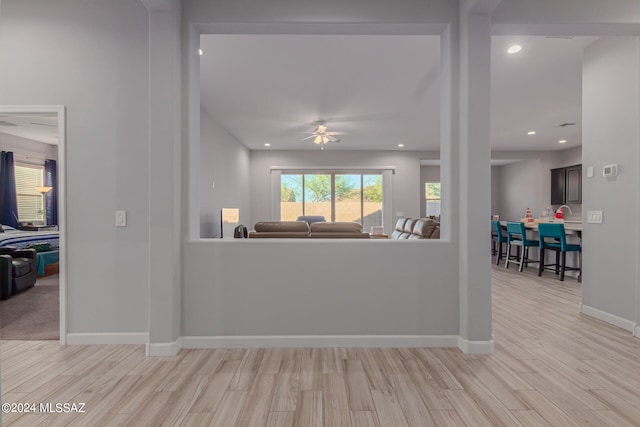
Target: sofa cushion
(408, 226)
(424, 228)
(282, 226)
(21, 266)
(278, 235)
(400, 224)
(338, 235)
(336, 227)
(396, 234)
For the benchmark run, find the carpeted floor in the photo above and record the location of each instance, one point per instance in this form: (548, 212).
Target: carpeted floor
(32, 314)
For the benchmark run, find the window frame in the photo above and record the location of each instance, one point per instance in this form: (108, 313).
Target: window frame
(387, 186)
(333, 175)
(432, 199)
(36, 216)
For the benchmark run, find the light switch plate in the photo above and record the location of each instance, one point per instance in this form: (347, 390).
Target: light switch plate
(121, 218)
(589, 171)
(594, 217)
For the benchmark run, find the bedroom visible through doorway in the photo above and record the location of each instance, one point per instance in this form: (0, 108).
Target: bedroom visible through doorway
(32, 299)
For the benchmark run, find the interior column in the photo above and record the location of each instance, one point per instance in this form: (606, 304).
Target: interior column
(164, 177)
(475, 177)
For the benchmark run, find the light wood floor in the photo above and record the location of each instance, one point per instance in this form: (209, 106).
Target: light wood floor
(552, 366)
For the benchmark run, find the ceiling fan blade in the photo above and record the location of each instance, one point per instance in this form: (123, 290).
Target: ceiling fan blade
(308, 137)
(336, 133)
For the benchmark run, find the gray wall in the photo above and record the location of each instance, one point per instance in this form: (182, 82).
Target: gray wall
(527, 183)
(611, 95)
(27, 150)
(225, 161)
(464, 230)
(319, 287)
(399, 11)
(495, 190)
(92, 57)
(406, 181)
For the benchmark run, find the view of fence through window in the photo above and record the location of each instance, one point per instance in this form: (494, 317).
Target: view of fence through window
(432, 192)
(336, 196)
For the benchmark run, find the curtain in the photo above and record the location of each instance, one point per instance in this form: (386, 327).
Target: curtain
(8, 198)
(51, 198)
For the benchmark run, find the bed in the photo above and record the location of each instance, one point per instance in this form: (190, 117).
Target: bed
(20, 239)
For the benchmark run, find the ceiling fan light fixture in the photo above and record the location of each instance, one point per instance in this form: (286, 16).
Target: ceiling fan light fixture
(321, 134)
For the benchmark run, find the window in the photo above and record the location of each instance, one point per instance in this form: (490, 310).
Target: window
(30, 201)
(432, 194)
(338, 196)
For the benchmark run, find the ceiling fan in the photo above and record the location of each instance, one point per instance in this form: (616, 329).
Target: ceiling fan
(321, 134)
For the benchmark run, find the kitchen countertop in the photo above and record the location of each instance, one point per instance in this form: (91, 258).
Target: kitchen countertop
(570, 227)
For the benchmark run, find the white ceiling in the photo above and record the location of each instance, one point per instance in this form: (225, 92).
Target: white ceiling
(536, 89)
(383, 90)
(41, 127)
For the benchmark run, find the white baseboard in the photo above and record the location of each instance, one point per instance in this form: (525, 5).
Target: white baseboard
(107, 338)
(620, 322)
(164, 349)
(475, 347)
(321, 341)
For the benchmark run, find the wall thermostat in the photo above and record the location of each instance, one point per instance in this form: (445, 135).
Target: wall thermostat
(609, 171)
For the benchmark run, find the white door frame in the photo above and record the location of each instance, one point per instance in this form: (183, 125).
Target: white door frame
(62, 212)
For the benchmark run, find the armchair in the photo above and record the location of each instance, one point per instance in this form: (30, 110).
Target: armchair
(17, 271)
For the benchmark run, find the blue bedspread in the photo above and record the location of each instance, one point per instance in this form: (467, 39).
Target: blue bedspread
(22, 239)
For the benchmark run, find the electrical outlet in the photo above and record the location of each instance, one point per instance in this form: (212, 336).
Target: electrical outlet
(121, 218)
(594, 217)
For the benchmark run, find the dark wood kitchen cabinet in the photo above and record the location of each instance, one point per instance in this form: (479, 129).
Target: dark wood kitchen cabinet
(566, 185)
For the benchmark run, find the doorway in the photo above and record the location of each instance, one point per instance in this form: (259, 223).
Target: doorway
(32, 139)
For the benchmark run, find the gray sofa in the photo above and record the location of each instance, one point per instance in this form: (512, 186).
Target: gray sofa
(337, 230)
(280, 230)
(301, 229)
(421, 228)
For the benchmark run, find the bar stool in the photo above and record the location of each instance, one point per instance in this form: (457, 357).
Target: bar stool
(559, 245)
(497, 236)
(517, 236)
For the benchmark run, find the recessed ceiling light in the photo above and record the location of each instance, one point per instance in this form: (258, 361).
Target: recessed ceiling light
(400, 145)
(514, 49)
(562, 141)
(267, 145)
(200, 52)
(531, 132)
